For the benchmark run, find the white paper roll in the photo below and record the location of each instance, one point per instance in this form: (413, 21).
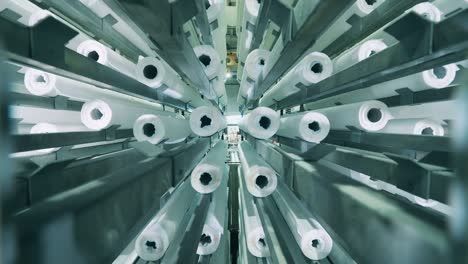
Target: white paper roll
(309, 126)
(439, 111)
(437, 78)
(155, 73)
(215, 219)
(314, 241)
(261, 123)
(207, 176)
(253, 229)
(156, 128)
(414, 126)
(429, 11)
(313, 68)
(154, 240)
(106, 56)
(358, 53)
(46, 128)
(206, 121)
(220, 90)
(360, 8)
(260, 178)
(253, 70)
(34, 115)
(29, 13)
(369, 115)
(101, 114)
(249, 19)
(214, 10)
(209, 59)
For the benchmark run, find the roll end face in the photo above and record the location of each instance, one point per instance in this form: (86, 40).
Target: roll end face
(440, 77)
(316, 67)
(149, 128)
(209, 241)
(93, 50)
(40, 83)
(206, 178)
(209, 59)
(150, 71)
(96, 115)
(429, 128)
(316, 244)
(256, 243)
(261, 181)
(370, 48)
(314, 127)
(205, 121)
(152, 244)
(263, 122)
(374, 115)
(367, 6)
(428, 11)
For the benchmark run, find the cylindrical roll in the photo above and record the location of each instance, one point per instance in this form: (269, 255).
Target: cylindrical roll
(261, 123)
(106, 56)
(358, 53)
(360, 8)
(45, 128)
(260, 178)
(436, 78)
(214, 10)
(369, 115)
(156, 128)
(429, 11)
(215, 219)
(414, 126)
(206, 121)
(208, 174)
(439, 111)
(209, 59)
(249, 19)
(220, 90)
(308, 126)
(313, 239)
(313, 68)
(253, 70)
(154, 240)
(253, 229)
(29, 13)
(34, 115)
(155, 73)
(101, 114)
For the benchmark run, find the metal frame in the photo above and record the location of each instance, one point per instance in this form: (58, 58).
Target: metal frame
(57, 102)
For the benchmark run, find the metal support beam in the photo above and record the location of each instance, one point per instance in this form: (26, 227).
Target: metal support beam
(58, 102)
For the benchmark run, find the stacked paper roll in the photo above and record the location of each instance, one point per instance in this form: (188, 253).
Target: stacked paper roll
(360, 8)
(249, 19)
(157, 74)
(260, 178)
(205, 121)
(101, 114)
(207, 176)
(215, 219)
(34, 115)
(439, 111)
(358, 53)
(308, 126)
(106, 56)
(369, 115)
(314, 241)
(261, 123)
(154, 240)
(313, 68)
(252, 225)
(220, 90)
(29, 13)
(429, 11)
(253, 70)
(437, 78)
(209, 59)
(414, 126)
(158, 128)
(101, 9)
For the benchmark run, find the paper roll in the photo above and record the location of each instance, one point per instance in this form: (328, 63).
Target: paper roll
(46, 128)
(261, 123)
(439, 111)
(157, 74)
(207, 176)
(253, 229)
(106, 56)
(154, 129)
(358, 53)
(215, 219)
(414, 126)
(360, 8)
(308, 126)
(154, 240)
(313, 68)
(206, 121)
(209, 59)
(29, 13)
(34, 115)
(260, 178)
(429, 11)
(214, 10)
(437, 78)
(253, 70)
(220, 90)
(249, 19)
(314, 241)
(369, 115)
(101, 114)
